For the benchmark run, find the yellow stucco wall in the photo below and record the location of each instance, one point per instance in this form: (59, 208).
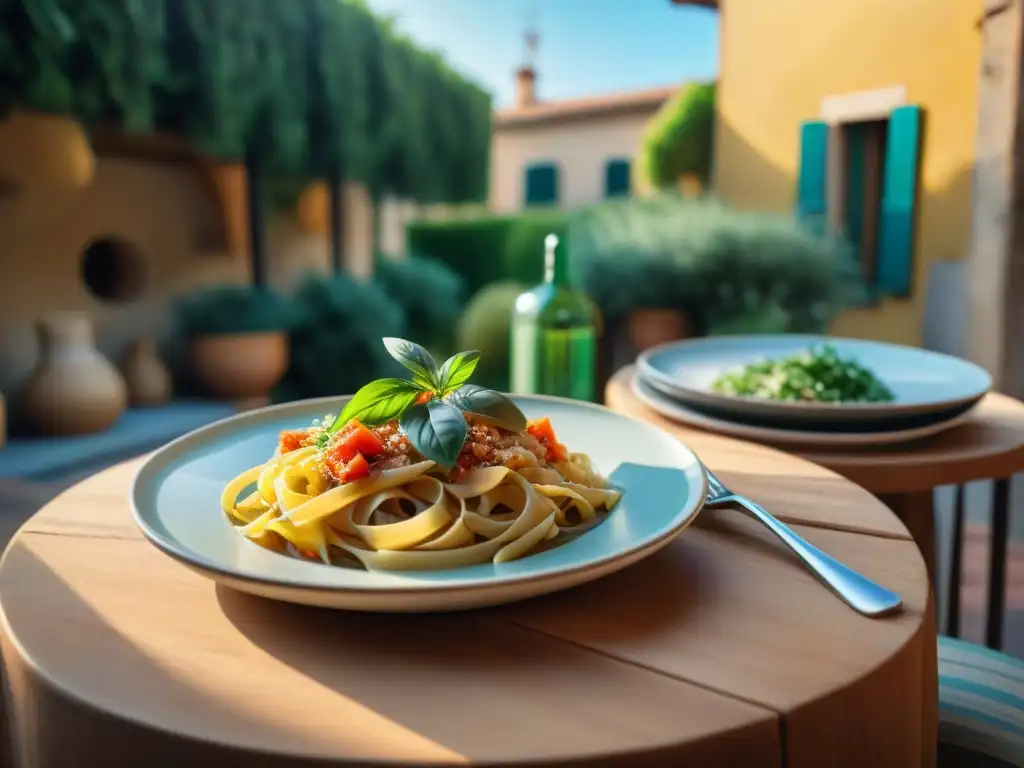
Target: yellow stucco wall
(780, 58)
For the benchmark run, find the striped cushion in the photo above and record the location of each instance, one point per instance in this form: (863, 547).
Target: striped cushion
(981, 706)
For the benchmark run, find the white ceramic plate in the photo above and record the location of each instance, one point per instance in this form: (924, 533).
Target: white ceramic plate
(928, 386)
(176, 502)
(681, 413)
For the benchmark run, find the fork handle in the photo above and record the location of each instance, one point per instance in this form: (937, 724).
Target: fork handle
(857, 590)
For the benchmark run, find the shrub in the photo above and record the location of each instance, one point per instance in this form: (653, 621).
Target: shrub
(763, 317)
(488, 249)
(678, 140)
(336, 339)
(431, 295)
(486, 326)
(231, 308)
(716, 264)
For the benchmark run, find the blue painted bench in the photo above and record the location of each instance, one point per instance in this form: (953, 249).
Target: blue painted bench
(139, 430)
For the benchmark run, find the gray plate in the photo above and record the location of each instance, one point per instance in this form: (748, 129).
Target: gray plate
(929, 386)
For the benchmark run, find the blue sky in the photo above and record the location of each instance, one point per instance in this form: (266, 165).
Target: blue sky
(587, 46)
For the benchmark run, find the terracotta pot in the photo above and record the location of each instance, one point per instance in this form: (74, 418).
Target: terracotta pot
(147, 378)
(239, 365)
(74, 389)
(44, 151)
(649, 327)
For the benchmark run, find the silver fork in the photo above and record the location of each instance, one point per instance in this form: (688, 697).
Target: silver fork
(858, 591)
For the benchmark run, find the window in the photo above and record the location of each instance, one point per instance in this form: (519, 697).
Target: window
(617, 178)
(859, 180)
(541, 186)
(862, 164)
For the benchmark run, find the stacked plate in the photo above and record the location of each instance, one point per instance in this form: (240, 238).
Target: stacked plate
(932, 392)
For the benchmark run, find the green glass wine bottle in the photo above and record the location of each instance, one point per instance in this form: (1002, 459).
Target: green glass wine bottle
(554, 333)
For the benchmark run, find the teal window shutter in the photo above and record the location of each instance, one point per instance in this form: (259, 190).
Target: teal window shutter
(541, 184)
(616, 178)
(895, 248)
(810, 202)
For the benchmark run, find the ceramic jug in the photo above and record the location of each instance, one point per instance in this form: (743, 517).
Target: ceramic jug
(74, 389)
(146, 376)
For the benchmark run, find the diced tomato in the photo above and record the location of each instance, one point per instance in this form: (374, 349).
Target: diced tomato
(292, 440)
(545, 433)
(354, 439)
(357, 468)
(341, 471)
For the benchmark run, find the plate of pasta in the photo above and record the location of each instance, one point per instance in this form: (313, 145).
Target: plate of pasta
(416, 495)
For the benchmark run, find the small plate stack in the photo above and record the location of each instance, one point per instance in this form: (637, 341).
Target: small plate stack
(933, 392)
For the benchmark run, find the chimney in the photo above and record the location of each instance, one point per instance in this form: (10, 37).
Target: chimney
(526, 87)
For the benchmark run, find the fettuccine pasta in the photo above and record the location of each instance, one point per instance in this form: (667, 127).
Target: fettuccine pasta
(365, 496)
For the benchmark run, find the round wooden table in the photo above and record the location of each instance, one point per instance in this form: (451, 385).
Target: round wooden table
(720, 650)
(989, 446)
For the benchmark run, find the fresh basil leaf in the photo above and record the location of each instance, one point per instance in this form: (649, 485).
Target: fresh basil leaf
(322, 440)
(457, 369)
(379, 402)
(416, 359)
(490, 406)
(437, 430)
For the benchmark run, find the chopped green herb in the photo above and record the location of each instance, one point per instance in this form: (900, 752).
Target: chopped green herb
(814, 375)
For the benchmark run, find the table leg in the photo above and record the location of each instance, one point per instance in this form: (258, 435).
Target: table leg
(997, 564)
(917, 511)
(930, 685)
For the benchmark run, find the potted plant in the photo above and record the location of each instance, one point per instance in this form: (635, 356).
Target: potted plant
(651, 297)
(668, 267)
(628, 254)
(44, 152)
(763, 273)
(237, 338)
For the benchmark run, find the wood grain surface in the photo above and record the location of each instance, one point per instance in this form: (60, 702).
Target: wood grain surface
(720, 650)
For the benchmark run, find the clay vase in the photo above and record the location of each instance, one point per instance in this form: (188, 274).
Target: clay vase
(647, 328)
(74, 390)
(146, 376)
(237, 366)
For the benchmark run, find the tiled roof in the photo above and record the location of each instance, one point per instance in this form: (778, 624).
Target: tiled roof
(541, 112)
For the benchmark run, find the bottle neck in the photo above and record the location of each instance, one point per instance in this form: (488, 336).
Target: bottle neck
(556, 262)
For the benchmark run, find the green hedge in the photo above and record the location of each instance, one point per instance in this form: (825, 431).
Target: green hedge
(489, 249)
(319, 87)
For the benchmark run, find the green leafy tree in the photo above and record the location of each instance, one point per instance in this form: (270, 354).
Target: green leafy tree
(678, 140)
(316, 88)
